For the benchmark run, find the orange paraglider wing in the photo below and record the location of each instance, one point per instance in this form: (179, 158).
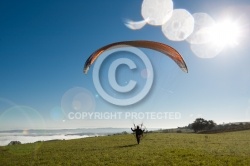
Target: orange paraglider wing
(165, 49)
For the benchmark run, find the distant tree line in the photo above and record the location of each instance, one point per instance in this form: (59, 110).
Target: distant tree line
(201, 125)
(236, 126)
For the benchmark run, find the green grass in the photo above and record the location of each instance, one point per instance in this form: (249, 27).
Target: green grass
(155, 149)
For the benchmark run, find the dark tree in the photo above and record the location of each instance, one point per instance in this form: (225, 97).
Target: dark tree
(201, 124)
(211, 124)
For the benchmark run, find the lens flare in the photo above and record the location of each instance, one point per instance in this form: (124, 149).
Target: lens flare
(135, 25)
(157, 12)
(77, 99)
(21, 119)
(25, 132)
(207, 50)
(202, 23)
(180, 25)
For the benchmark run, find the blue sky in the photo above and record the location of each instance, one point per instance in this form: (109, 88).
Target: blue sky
(44, 45)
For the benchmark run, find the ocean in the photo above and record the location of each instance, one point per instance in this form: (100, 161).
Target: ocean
(31, 136)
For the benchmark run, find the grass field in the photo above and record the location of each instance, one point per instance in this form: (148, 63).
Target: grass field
(232, 148)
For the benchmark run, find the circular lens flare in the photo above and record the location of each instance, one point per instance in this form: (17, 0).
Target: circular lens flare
(21, 120)
(157, 12)
(77, 99)
(179, 26)
(200, 35)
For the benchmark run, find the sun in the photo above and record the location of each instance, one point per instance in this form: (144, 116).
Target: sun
(225, 33)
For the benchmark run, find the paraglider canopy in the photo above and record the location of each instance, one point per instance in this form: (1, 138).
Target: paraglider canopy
(165, 49)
